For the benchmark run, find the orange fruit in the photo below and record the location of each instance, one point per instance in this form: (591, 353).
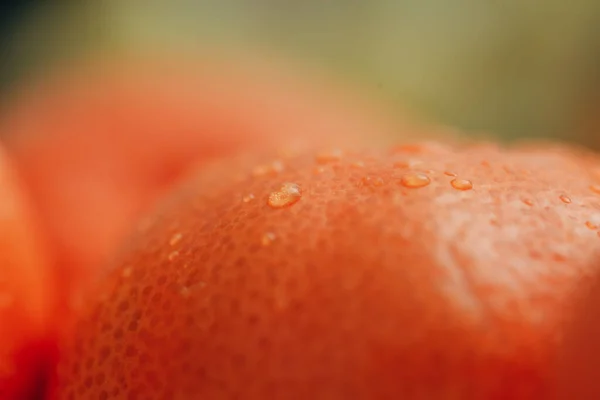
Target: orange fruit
(26, 296)
(96, 144)
(427, 271)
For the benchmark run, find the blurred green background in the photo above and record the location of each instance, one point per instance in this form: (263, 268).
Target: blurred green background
(513, 68)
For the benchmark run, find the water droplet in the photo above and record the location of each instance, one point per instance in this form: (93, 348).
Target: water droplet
(591, 225)
(329, 157)
(358, 164)
(595, 189)
(415, 180)
(375, 181)
(288, 194)
(127, 271)
(319, 170)
(461, 184)
(248, 198)
(528, 202)
(565, 199)
(267, 238)
(173, 255)
(175, 239)
(448, 173)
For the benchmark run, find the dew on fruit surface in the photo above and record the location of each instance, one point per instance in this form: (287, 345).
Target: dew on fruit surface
(358, 164)
(127, 271)
(375, 181)
(595, 188)
(267, 238)
(173, 255)
(329, 157)
(449, 173)
(565, 199)
(415, 180)
(248, 198)
(175, 239)
(287, 195)
(528, 202)
(461, 184)
(591, 225)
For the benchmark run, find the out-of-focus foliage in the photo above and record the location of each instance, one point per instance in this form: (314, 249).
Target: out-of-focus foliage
(516, 68)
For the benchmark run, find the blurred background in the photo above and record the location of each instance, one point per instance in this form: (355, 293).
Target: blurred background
(512, 68)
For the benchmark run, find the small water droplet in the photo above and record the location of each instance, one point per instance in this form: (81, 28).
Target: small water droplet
(461, 184)
(329, 157)
(267, 238)
(319, 170)
(173, 255)
(175, 239)
(415, 180)
(448, 173)
(288, 194)
(127, 271)
(358, 164)
(595, 189)
(528, 202)
(375, 181)
(565, 199)
(591, 225)
(248, 198)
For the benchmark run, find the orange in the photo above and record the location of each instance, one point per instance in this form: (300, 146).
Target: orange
(97, 143)
(427, 271)
(26, 292)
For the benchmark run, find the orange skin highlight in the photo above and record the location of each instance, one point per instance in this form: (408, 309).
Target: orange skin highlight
(372, 285)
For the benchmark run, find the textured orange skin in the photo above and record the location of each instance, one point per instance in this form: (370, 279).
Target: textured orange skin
(25, 291)
(96, 145)
(363, 289)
